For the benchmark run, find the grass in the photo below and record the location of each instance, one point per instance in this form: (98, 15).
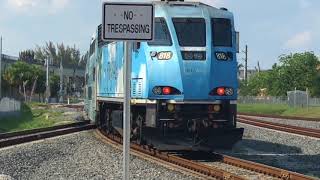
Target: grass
(32, 116)
(279, 109)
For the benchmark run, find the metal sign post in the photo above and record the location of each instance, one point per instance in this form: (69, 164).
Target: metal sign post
(127, 110)
(0, 67)
(127, 22)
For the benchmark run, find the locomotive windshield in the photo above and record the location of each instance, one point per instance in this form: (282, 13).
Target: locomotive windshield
(162, 36)
(221, 32)
(190, 31)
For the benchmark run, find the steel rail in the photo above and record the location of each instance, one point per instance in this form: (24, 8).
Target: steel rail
(32, 131)
(280, 127)
(261, 168)
(9, 139)
(279, 117)
(208, 171)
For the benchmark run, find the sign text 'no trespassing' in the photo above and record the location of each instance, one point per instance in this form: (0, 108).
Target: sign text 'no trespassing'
(125, 21)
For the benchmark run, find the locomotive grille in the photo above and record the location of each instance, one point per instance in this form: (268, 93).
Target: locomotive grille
(137, 88)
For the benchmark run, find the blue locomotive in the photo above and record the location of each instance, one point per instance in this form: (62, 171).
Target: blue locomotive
(183, 85)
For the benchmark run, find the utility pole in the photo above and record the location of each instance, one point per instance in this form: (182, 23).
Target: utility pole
(47, 82)
(61, 83)
(246, 65)
(0, 67)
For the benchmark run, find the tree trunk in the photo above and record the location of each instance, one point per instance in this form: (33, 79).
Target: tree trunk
(24, 90)
(33, 87)
(20, 89)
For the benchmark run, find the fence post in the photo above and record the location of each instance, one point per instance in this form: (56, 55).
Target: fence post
(307, 91)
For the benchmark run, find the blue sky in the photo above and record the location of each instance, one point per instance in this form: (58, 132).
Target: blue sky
(270, 28)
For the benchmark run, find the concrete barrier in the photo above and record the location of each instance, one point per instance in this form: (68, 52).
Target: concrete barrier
(9, 107)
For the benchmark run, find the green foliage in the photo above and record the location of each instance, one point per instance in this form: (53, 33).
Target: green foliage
(297, 70)
(316, 86)
(275, 109)
(70, 56)
(18, 73)
(279, 109)
(33, 116)
(54, 85)
(41, 81)
(27, 55)
(21, 74)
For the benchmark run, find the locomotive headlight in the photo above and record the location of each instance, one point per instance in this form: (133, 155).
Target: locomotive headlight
(216, 108)
(199, 55)
(157, 90)
(170, 107)
(221, 56)
(193, 55)
(187, 55)
(166, 55)
(229, 91)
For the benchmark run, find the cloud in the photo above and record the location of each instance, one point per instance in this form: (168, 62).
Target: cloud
(37, 6)
(300, 40)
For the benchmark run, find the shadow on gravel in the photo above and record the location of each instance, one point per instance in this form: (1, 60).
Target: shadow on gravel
(304, 164)
(277, 155)
(250, 145)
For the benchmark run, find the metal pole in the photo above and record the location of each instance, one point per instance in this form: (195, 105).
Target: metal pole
(126, 109)
(47, 81)
(61, 83)
(246, 65)
(307, 91)
(0, 67)
(295, 96)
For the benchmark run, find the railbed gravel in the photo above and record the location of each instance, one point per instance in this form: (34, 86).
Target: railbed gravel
(279, 149)
(293, 122)
(76, 156)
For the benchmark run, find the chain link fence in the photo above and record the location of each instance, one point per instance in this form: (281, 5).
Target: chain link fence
(293, 99)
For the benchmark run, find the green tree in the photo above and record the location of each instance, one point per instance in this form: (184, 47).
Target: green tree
(25, 77)
(297, 70)
(54, 85)
(27, 55)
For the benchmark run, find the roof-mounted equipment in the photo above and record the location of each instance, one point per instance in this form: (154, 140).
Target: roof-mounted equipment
(224, 9)
(173, 0)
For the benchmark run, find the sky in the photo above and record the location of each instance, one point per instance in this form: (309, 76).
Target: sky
(270, 28)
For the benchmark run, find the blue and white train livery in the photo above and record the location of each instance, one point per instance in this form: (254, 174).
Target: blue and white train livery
(183, 84)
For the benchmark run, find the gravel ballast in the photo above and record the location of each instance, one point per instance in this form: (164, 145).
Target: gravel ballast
(279, 149)
(300, 123)
(76, 156)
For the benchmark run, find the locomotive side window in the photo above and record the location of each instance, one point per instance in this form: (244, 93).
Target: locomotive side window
(191, 32)
(92, 47)
(162, 35)
(221, 32)
(89, 93)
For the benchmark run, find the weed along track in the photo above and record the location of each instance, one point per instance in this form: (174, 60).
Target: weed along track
(9, 139)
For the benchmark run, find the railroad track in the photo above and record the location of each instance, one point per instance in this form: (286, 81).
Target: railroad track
(280, 127)
(279, 117)
(199, 168)
(9, 139)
